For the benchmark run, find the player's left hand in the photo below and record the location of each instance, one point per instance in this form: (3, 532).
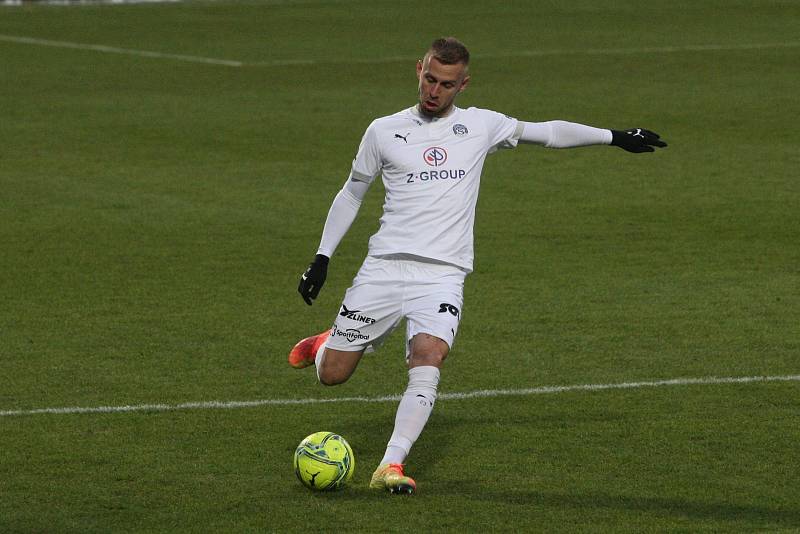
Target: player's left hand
(636, 140)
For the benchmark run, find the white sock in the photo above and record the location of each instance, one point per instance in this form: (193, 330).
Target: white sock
(412, 413)
(319, 358)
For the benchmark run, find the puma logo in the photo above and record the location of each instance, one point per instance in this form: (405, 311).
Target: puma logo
(403, 137)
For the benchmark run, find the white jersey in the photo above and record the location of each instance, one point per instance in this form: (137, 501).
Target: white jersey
(431, 169)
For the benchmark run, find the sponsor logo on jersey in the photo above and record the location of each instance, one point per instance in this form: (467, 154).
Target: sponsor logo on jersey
(435, 156)
(460, 129)
(433, 175)
(355, 315)
(351, 334)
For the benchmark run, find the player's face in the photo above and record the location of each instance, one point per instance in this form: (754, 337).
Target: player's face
(439, 84)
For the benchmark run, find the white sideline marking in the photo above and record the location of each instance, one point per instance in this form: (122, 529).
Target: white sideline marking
(114, 50)
(228, 405)
(301, 62)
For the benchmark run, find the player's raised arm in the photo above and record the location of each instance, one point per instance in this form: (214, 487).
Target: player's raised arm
(341, 215)
(563, 134)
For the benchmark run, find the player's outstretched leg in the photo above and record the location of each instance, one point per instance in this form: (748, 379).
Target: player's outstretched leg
(391, 477)
(305, 352)
(412, 415)
(427, 353)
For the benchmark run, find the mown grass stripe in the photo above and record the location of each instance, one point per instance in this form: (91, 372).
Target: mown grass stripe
(230, 405)
(545, 53)
(388, 59)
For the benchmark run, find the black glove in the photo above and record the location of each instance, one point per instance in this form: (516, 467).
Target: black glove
(636, 140)
(314, 278)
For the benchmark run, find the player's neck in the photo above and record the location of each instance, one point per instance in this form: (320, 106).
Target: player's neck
(439, 116)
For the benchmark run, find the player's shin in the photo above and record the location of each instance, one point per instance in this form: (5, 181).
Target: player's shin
(412, 413)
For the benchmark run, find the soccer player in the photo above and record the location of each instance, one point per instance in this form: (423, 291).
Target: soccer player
(430, 157)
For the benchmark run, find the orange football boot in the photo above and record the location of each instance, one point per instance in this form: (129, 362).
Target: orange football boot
(305, 352)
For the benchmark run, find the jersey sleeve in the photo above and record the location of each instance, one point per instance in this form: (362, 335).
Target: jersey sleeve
(368, 162)
(503, 131)
(563, 134)
(341, 215)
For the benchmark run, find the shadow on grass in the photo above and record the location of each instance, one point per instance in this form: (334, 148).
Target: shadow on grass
(664, 506)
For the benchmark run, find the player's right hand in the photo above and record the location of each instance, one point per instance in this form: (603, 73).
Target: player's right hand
(314, 278)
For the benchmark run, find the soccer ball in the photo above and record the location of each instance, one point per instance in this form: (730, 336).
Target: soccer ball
(324, 461)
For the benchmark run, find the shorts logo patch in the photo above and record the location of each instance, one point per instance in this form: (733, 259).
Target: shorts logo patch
(445, 307)
(435, 156)
(424, 401)
(351, 334)
(355, 315)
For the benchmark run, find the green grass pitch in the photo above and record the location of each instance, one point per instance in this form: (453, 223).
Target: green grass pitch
(156, 212)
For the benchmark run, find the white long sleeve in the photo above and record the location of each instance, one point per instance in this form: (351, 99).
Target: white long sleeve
(563, 134)
(343, 212)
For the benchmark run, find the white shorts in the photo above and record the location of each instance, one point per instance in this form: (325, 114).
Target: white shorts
(391, 288)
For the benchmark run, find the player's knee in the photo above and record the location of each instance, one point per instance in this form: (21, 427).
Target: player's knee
(332, 372)
(427, 350)
(434, 358)
(329, 376)
(329, 379)
(326, 381)
(430, 355)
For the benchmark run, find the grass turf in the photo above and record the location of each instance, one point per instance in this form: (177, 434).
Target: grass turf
(155, 215)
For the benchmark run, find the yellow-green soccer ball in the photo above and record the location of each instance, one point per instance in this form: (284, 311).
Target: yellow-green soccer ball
(324, 461)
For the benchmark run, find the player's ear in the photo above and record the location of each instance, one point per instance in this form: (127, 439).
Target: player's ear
(419, 68)
(464, 83)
